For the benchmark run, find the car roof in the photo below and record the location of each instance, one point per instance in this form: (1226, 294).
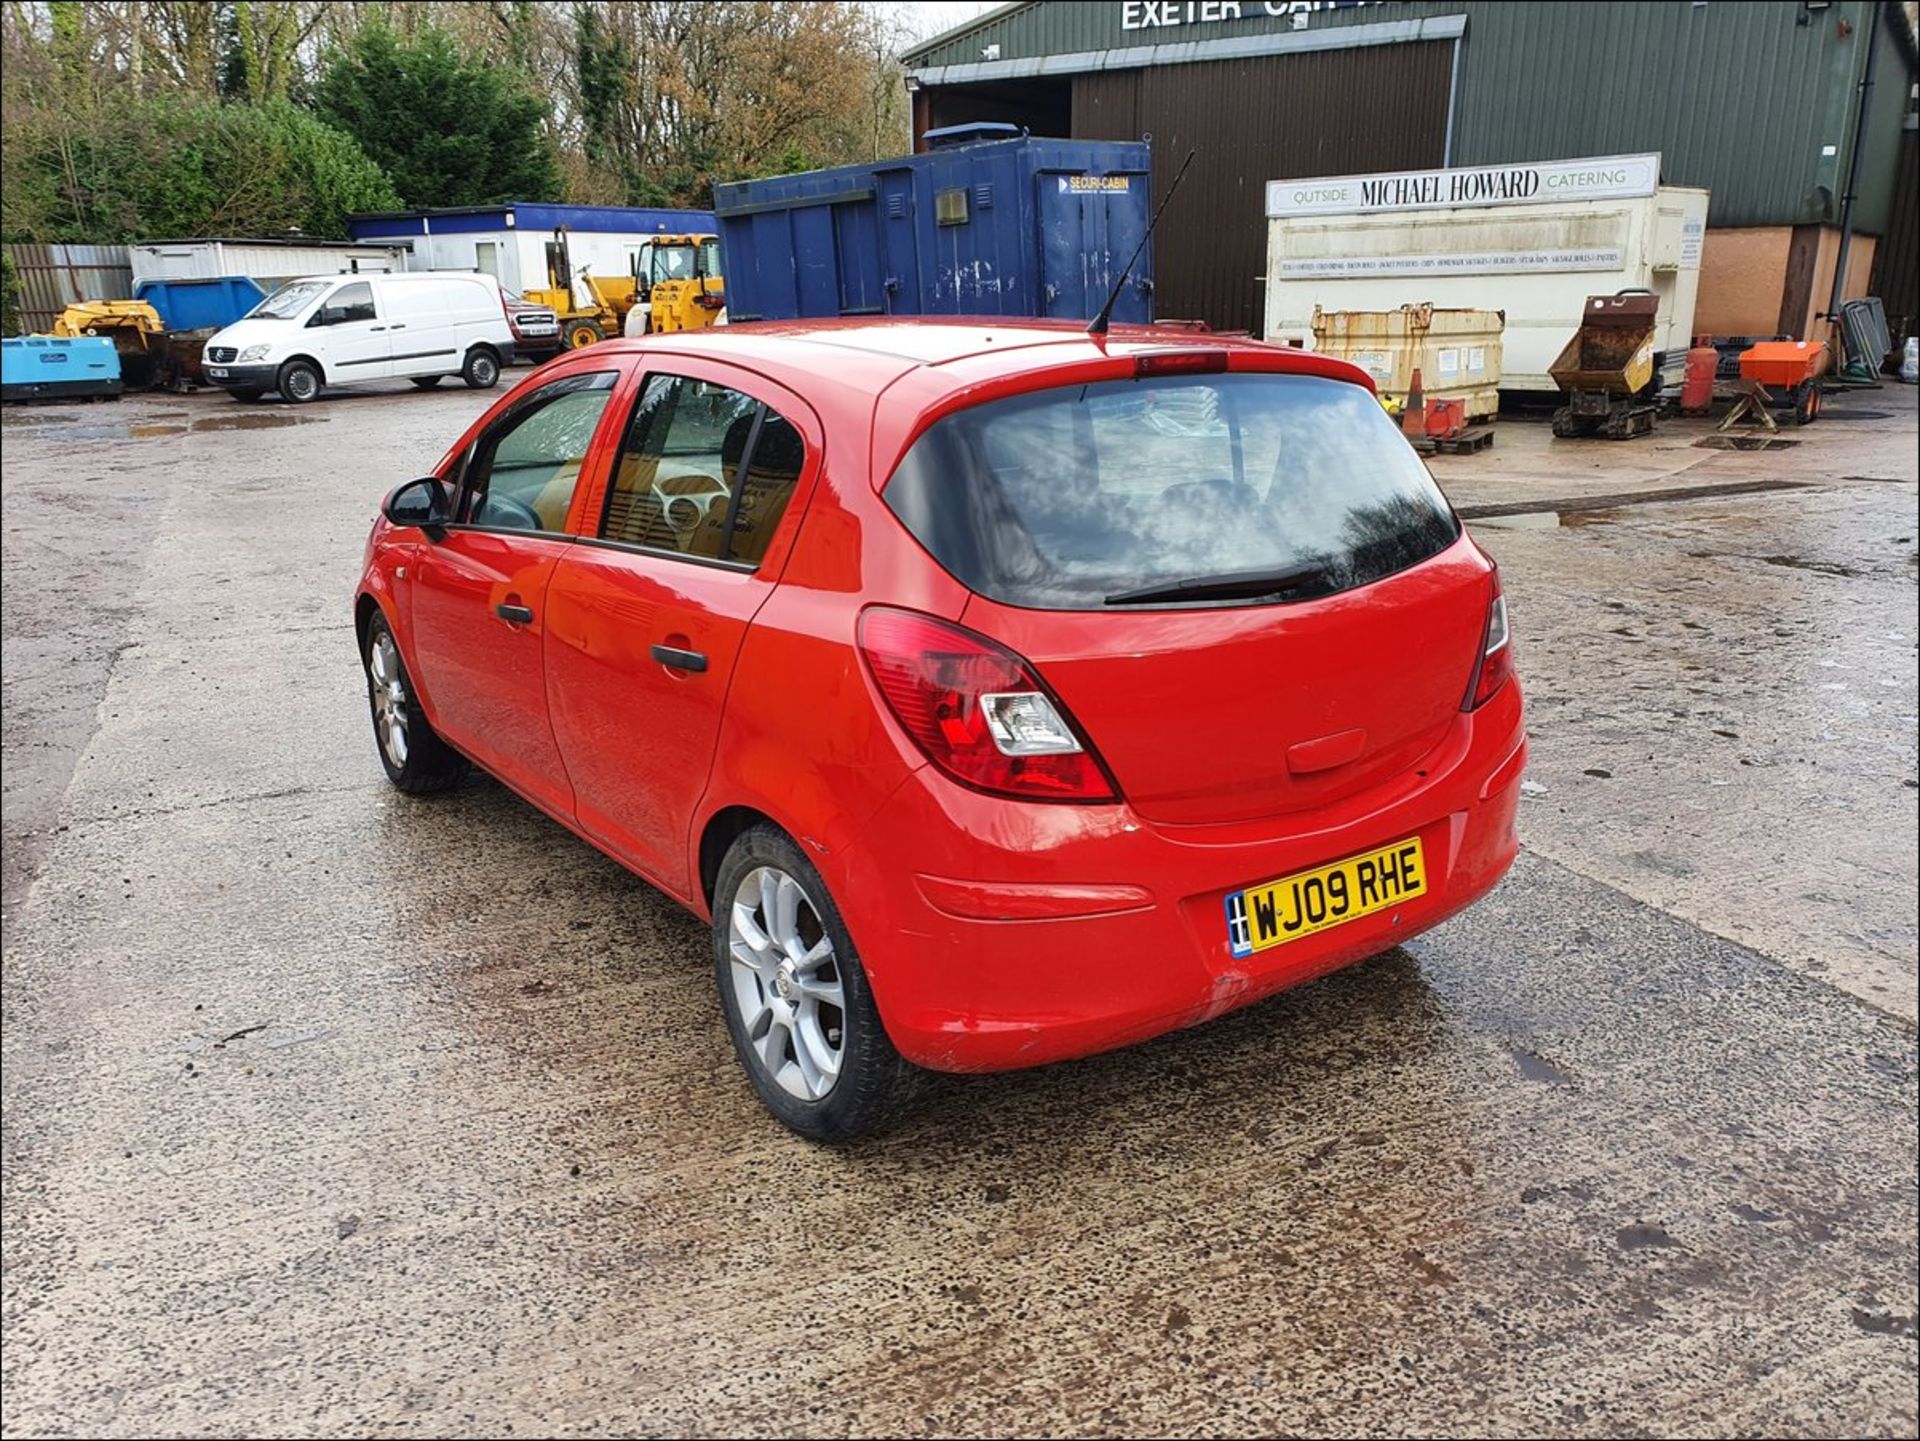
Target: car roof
(869, 354)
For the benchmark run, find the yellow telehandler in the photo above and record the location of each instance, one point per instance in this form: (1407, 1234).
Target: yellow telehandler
(684, 287)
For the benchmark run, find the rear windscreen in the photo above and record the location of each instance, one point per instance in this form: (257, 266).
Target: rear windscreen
(1088, 496)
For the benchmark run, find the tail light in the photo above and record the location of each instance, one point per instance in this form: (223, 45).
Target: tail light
(978, 710)
(1495, 667)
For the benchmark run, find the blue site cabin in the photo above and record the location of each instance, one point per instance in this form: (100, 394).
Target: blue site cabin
(988, 222)
(508, 241)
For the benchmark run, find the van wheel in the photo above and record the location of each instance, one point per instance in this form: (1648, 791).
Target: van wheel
(482, 370)
(300, 381)
(796, 1001)
(426, 382)
(416, 759)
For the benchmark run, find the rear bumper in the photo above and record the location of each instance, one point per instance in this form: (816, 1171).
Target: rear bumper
(999, 934)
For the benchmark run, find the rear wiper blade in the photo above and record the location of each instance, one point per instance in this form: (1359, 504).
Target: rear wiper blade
(1245, 584)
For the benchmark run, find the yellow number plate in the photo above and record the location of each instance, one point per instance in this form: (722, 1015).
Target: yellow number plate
(1311, 901)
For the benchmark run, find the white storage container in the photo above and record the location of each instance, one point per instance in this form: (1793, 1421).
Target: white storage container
(1507, 238)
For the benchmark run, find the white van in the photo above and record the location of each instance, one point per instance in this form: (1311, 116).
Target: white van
(340, 329)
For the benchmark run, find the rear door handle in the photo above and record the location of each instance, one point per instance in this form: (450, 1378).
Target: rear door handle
(691, 660)
(401, 326)
(514, 614)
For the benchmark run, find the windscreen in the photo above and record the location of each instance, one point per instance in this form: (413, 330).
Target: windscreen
(673, 262)
(289, 300)
(1175, 490)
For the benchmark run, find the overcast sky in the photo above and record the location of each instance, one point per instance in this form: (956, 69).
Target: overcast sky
(922, 18)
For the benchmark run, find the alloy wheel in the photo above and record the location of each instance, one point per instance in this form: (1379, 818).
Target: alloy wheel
(389, 691)
(787, 983)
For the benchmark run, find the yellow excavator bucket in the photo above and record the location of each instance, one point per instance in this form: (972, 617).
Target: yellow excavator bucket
(99, 317)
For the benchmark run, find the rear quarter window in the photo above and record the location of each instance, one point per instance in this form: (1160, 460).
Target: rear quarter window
(1065, 499)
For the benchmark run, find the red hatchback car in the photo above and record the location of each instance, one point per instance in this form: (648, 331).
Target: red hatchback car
(999, 693)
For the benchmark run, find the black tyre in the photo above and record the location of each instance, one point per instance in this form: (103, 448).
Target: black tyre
(300, 381)
(426, 382)
(248, 394)
(796, 1000)
(1806, 404)
(416, 759)
(482, 370)
(579, 334)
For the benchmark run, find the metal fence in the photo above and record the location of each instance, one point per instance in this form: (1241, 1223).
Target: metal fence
(52, 277)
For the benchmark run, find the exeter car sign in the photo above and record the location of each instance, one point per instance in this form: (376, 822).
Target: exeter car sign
(1541, 182)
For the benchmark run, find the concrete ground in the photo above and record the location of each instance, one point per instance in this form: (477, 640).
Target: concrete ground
(333, 1112)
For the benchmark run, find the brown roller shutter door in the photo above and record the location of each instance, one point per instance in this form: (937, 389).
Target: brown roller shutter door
(1277, 117)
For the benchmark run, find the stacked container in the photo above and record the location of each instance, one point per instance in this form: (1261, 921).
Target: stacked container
(1457, 352)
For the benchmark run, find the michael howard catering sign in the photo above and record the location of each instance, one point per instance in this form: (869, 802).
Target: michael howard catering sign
(1612, 177)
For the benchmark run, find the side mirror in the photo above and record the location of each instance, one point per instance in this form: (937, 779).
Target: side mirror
(421, 503)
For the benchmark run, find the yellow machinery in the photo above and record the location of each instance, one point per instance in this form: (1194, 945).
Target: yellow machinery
(590, 308)
(675, 285)
(1606, 370)
(133, 326)
(685, 290)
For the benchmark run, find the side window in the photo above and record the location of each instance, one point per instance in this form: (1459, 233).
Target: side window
(349, 302)
(522, 471)
(704, 471)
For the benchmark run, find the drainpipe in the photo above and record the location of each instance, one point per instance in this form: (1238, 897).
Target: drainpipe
(1853, 171)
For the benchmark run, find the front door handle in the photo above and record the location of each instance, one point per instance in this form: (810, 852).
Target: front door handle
(691, 660)
(514, 614)
(399, 325)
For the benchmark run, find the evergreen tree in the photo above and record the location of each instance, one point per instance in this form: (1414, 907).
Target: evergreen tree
(447, 127)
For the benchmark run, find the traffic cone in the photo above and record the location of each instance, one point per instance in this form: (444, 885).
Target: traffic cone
(1413, 419)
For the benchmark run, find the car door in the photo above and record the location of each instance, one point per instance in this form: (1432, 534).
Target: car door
(353, 340)
(479, 594)
(421, 325)
(647, 613)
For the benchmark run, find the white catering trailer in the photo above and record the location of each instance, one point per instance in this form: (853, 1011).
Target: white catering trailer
(1533, 239)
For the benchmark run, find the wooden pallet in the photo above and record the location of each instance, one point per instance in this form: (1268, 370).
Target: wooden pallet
(1465, 442)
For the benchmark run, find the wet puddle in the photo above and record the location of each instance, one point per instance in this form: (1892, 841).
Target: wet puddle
(1788, 562)
(1549, 519)
(1743, 442)
(72, 427)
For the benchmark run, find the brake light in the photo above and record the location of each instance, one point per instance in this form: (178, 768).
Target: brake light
(977, 710)
(1495, 667)
(1180, 362)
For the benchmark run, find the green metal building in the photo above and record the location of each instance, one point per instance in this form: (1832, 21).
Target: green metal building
(1755, 100)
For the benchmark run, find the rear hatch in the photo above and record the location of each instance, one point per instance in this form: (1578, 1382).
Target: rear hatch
(1245, 587)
